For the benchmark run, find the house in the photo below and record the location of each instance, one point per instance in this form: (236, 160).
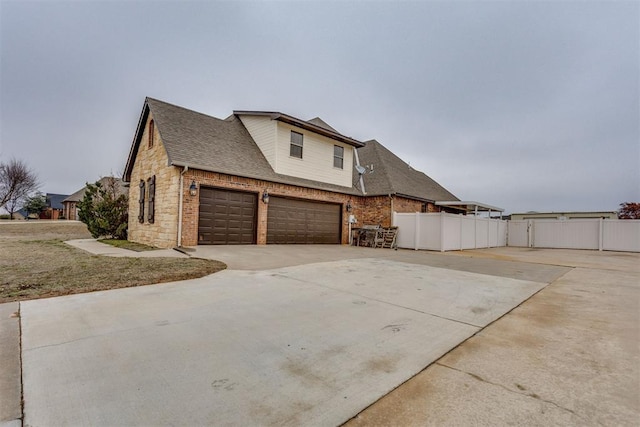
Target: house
(564, 215)
(70, 204)
(54, 206)
(261, 177)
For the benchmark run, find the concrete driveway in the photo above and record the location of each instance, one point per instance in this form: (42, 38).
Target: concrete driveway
(309, 344)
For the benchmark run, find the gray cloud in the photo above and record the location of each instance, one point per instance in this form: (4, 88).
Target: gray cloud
(525, 105)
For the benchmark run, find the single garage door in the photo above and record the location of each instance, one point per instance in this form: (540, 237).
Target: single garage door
(292, 221)
(227, 217)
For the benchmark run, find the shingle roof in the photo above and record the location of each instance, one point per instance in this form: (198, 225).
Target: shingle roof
(203, 142)
(207, 143)
(79, 195)
(54, 201)
(391, 175)
(321, 123)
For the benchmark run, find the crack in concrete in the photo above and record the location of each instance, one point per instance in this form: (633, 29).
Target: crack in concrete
(521, 393)
(118, 331)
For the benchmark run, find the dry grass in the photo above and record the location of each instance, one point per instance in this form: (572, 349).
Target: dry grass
(36, 263)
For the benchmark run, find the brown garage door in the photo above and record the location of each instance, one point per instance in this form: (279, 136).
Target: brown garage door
(227, 217)
(300, 221)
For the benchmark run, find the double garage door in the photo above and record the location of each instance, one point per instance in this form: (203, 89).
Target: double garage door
(230, 217)
(291, 221)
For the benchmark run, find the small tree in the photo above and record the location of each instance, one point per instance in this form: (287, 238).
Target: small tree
(17, 181)
(105, 210)
(629, 210)
(14, 204)
(35, 204)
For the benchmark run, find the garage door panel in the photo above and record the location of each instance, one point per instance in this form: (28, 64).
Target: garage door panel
(303, 222)
(226, 217)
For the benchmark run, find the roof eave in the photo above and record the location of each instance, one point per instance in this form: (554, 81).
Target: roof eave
(347, 190)
(482, 207)
(285, 118)
(126, 176)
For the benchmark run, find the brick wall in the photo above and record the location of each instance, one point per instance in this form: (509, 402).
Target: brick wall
(153, 161)
(219, 180)
(404, 205)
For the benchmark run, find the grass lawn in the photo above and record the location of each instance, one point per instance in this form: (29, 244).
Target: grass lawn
(36, 263)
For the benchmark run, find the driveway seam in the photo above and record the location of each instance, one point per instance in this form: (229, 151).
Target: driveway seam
(380, 301)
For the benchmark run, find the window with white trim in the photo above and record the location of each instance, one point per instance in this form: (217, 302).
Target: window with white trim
(338, 157)
(296, 145)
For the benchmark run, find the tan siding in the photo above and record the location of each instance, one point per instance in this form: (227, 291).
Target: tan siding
(263, 132)
(153, 161)
(317, 158)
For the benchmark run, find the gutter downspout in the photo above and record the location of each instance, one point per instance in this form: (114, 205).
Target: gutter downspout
(355, 153)
(186, 168)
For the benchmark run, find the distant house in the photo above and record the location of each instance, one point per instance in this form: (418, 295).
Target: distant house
(20, 215)
(54, 208)
(564, 215)
(70, 203)
(260, 177)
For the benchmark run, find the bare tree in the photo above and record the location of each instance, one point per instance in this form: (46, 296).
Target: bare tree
(16, 182)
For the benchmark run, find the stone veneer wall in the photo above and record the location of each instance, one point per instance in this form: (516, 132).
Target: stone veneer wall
(153, 161)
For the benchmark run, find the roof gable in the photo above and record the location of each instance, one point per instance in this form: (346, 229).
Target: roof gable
(207, 143)
(321, 123)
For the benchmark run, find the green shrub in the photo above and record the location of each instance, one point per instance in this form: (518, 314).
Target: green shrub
(104, 210)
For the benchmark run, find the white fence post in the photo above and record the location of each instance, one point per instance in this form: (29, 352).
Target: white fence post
(461, 229)
(442, 231)
(475, 232)
(416, 240)
(600, 234)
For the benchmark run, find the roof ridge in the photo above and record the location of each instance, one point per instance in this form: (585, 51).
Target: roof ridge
(183, 108)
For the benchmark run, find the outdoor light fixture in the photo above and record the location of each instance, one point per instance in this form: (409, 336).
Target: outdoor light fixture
(265, 197)
(349, 207)
(193, 188)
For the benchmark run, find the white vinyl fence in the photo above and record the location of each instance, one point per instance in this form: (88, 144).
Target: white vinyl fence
(448, 232)
(597, 234)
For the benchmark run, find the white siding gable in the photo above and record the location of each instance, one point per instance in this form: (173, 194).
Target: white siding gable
(317, 157)
(263, 131)
(274, 140)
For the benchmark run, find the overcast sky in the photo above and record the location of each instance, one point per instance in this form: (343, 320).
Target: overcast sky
(522, 105)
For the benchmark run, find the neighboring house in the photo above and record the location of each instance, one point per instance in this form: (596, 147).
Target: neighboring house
(70, 203)
(20, 215)
(54, 208)
(563, 215)
(261, 177)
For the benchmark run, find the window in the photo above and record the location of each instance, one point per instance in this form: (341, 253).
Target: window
(152, 199)
(141, 202)
(151, 133)
(423, 208)
(338, 157)
(296, 145)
